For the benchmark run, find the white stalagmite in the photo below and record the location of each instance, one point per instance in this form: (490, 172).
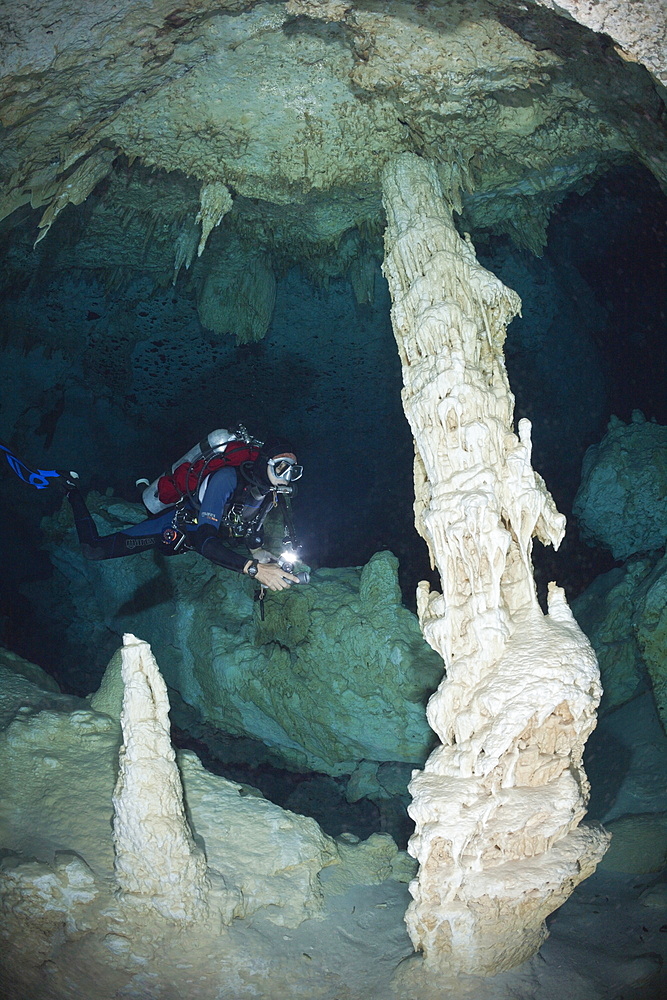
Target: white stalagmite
(498, 805)
(157, 864)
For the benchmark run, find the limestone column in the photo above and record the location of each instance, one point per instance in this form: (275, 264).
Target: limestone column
(499, 803)
(158, 866)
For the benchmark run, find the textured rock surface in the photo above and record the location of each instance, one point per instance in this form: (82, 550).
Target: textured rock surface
(369, 863)
(30, 671)
(639, 29)
(57, 775)
(16, 690)
(622, 500)
(624, 613)
(530, 103)
(517, 109)
(65, 931)
(59, 766)
(651, 624)
(317, 681)
(607, 612)
(499, 803)
(638, 844)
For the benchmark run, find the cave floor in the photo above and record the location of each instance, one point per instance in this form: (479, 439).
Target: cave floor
(605, 942)
(608, 942)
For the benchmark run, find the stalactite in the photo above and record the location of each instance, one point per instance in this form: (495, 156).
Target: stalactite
(237, 293)
(361, 275)
(75, 188)
(498, 803)
(215, 201)
(185, 247)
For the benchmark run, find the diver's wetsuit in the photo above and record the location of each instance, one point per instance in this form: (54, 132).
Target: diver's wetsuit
(223, 489)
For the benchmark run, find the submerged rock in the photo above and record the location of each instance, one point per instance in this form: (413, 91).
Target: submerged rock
(622, 500)
(337, 671)
(638, 844)
(66, 926)
(624, 614)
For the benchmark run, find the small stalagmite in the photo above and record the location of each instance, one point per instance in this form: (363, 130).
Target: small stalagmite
(157, 863)
(499, 803)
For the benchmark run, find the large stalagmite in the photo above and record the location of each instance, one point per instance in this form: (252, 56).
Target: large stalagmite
(499, 803)
(157, 863)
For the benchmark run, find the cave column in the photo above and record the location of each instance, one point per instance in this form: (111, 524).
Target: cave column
(498, 805)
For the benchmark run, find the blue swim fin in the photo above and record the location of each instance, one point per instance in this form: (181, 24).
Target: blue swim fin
(40, 478)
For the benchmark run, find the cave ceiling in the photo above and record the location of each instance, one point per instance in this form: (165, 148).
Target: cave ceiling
(278, 117)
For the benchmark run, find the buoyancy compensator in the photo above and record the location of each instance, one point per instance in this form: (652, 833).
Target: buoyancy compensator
(218, 449)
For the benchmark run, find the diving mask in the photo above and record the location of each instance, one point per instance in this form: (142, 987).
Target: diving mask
(284, 470)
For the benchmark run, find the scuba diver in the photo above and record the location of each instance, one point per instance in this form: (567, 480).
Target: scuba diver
(221, 491)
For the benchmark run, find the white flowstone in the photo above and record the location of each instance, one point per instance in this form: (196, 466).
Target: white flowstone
(498, 804)
(157, 863)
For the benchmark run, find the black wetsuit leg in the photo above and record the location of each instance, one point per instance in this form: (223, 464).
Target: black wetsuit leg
(94, 546)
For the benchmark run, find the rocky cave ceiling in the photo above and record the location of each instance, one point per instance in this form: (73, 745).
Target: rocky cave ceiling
(202, 153)
(280, 116)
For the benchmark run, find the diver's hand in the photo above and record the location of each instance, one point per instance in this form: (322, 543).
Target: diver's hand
(263, 556)
(271, 576)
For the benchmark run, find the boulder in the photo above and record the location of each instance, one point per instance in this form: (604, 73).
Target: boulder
(336, 672)
(622, 500)
(624, 614)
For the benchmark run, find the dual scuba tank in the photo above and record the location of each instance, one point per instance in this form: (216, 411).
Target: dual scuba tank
(188, 472)
(218, 449)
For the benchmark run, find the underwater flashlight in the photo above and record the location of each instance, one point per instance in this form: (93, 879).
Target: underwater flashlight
(286, 562)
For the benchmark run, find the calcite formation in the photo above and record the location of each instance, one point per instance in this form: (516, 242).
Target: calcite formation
(498, 805)
(215, 201)
(238, 293)
(157, 863)
(78, 921)
(652, 633)
(233, 140)
(624, 613)
(639, 29)
(607, 612)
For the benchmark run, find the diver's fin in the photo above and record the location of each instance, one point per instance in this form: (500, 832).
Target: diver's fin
(39, 478)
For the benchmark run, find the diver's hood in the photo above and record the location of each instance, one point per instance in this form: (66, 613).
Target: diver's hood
(273, 447)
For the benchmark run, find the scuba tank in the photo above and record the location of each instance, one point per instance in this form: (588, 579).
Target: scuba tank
(162, 493)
